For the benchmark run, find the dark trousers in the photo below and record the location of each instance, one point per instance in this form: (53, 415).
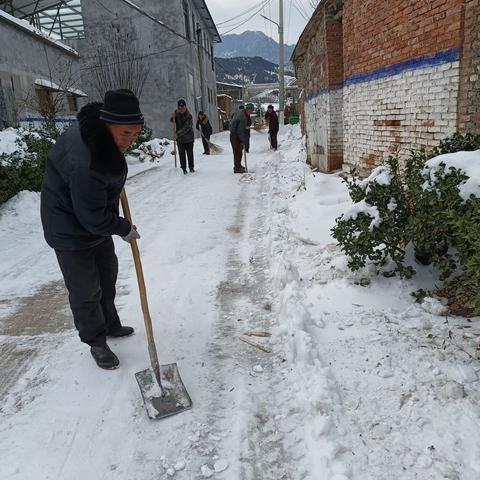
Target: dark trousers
(90, 276)
(237, 150)
(206, 147)
(273, 139)
(186, 149)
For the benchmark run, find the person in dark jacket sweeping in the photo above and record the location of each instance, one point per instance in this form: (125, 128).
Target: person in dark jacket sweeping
(184, 135)
(239, 135)
(85, 174)
(272, 118)
(203, 124)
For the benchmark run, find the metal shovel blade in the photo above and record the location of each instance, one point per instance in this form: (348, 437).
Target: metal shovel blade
(175, 398)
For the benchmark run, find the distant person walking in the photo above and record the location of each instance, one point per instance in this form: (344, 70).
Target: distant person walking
(203, 124)
(184, 135)
(239, 137)
(272, 118)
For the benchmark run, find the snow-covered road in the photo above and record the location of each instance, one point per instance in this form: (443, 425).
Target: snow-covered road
(362, 383)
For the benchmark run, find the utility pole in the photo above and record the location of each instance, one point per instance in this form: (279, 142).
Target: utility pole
(281, 65)
(281, 62)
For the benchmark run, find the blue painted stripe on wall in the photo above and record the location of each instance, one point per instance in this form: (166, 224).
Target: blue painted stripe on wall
(42, 119)
(446, 56)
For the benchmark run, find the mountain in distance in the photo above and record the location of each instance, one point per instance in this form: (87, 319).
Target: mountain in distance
(246, 70)
(251, 44)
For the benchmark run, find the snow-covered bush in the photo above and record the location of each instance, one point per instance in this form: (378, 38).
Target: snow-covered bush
(152, 150)
(23, 167)
(146, 135)
(374, 229)
(432, 202)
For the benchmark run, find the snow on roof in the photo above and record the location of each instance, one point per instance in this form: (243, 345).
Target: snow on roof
(229, 84)
(24, 25)
(53, 86)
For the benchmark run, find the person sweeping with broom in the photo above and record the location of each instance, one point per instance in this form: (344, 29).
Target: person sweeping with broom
(85, 174)
(203, 124)
(239, 136)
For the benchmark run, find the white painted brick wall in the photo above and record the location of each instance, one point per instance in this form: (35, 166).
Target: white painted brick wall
(324, 128)
(413, 98)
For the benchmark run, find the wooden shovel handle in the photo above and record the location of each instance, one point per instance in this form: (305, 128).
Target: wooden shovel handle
(152, 350)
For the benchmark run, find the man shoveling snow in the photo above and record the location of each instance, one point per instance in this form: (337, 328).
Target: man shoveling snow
(85, 174)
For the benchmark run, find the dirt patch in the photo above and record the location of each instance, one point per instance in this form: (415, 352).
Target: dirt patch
(45, 312)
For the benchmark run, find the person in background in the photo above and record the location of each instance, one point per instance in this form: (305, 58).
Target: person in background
(84, 176)
(249, 130)
(239, 136)
(184, 135)
(203, 124)
(272, 118)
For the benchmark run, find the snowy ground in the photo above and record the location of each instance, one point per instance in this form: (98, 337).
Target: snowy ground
(361, 384)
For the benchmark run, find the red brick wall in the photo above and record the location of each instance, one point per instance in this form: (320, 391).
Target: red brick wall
(469, 92)
(334, 45)
(378, 34)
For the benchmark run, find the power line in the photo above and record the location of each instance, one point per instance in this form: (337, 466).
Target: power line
(246, 20)
(297, 8)
(245, 12)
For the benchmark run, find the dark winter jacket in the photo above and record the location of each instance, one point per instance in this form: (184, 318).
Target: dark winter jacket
(184, 123)
(239, 126)
(272, 119)
(205, 126)
(84, 176)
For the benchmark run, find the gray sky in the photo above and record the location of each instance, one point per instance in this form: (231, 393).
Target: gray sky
(222, 10)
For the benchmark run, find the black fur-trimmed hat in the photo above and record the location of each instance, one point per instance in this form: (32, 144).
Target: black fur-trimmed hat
(121, 107)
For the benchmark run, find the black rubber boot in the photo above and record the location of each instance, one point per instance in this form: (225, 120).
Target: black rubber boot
(104, 357)
(121, 332)
(184, 171)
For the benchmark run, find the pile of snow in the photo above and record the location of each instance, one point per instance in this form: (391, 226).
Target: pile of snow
(152, 150)
(380, 175)
(11, 142)
(467, 162)
(365, 208)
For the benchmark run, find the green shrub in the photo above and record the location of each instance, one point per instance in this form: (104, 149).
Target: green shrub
(416, 205)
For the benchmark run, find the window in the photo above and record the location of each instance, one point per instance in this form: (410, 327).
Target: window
(72, 103)
(45, 102)
(187, 22)
(212, 57)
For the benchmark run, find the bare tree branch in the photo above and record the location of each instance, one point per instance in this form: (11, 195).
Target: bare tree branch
(117, 63)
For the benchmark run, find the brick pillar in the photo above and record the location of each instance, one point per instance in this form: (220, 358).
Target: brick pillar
(469, 91)
(334, 47)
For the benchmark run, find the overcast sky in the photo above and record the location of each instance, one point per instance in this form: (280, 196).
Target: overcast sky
(294, 22)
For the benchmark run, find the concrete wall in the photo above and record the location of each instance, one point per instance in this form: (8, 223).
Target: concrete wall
(28, 57)
(178, 68)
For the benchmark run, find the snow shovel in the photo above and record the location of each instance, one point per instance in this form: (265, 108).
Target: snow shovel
(245, 159)
(174, 139)
(163, 391)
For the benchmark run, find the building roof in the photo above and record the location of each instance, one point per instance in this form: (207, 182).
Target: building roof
(229, 84)
(35, 32)
(208, 20)
(60, 18)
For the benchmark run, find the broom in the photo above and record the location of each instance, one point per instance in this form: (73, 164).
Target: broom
(213, 147)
